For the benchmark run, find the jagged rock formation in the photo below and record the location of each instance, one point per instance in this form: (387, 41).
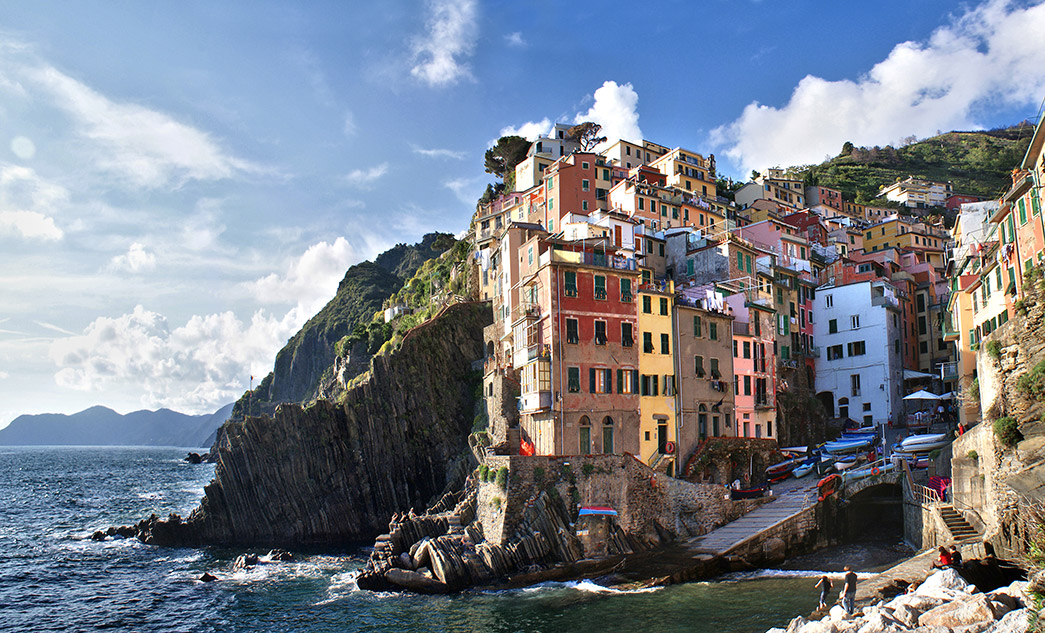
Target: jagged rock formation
(334, 473)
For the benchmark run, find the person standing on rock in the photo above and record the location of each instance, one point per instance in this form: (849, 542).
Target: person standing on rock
(849, 595)
(825, 586)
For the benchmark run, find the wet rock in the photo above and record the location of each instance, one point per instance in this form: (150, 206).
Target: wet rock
(774, 550)
(281, 555)
(206, 577)
(98, 536)
(245, 561)
(194, 458)
(413, 581)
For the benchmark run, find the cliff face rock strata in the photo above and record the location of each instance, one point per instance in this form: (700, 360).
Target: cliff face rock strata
(330, 474)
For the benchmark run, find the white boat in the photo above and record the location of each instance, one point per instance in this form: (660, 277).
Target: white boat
(810, 465)
(845, 463)
(855, 474)
(847, 446)
(924, 443)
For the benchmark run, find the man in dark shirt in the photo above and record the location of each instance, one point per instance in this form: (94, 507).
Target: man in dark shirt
(956, 557)
(849, 599)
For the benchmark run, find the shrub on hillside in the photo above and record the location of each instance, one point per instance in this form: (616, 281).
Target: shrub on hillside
(1032, 383)
(502, 477)
(994, 349)
(1007, 431)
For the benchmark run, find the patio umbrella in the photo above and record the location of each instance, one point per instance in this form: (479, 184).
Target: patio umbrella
(921, 394)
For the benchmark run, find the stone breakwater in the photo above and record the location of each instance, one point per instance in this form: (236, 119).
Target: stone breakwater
(943, 603)
(332, 473)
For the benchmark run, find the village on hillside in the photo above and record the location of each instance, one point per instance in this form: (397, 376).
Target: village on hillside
(637, 310)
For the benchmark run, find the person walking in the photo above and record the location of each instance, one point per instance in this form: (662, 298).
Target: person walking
(825, 587)
(849, 596)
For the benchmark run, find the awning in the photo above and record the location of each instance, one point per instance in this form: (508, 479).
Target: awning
(922, 395)
(910, 374)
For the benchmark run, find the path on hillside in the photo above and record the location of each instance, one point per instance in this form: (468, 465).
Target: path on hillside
(786, 504)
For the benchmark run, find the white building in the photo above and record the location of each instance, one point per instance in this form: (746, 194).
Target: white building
(858, 329)
(917, 193)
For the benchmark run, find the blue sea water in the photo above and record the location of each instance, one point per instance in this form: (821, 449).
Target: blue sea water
(54, 578)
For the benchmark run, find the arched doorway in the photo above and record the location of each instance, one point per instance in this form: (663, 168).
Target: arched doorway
(584, 433)
(702, 421)
(607, 434)
(827, 398)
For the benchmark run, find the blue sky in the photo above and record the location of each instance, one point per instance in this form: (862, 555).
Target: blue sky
(183, 184)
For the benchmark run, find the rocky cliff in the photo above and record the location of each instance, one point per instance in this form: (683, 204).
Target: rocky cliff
(333, 473)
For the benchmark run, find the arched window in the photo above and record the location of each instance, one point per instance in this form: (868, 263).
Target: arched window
(607, 434)
(702, 421)
(585, 435)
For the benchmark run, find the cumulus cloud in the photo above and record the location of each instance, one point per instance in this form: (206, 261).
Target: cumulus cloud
(515, 39)
(144, 148)
(364, 178)
(616, 110)
(990, 55)
(135, 260)
(194, 367)
(451, 31)
(529, 130)
(439, 153)
(311, 279)
(26, 199)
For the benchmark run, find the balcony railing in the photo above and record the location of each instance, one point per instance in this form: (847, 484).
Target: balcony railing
(947, 371)
(534, 352)
(599, 260)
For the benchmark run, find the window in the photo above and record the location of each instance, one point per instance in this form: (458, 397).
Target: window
(647, 342)
(747, 349)
(669, 385)
(600, 286)
(600, 380)
(854, 383)
(570, 283)
(663, 306)
(649, 385)
(627, 339)
(734, 349)
(698, 362)
(857, 348)
(832, 326)
(573, 379)
(714, 369)
(585, 185)
(584, 166)
(829, 301)
(922, 325)
(572, 331)
(690, 270)
(665, 344)
(584, 207)
(625, 290)
(698, 329)
(661, 247)
(747, 385)
(855, 319)
(647, 304)
(834, 352)
(600, 332)
(713, 330)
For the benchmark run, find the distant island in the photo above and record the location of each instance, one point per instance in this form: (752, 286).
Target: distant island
(101, 426)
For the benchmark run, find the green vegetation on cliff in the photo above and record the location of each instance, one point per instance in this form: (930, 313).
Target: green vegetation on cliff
(977, 163)
(309, 354)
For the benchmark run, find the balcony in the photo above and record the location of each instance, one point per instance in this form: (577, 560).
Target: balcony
(948, 371)
(598, 260)
(533, 352)
(762, 404)
(536, 401)
(885, 300)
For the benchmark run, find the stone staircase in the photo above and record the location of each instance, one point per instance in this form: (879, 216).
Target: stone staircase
(956, 524)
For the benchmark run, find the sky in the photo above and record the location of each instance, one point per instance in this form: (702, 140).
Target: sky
(182, 185)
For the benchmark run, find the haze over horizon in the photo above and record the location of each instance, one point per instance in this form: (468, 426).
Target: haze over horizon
(182, 187)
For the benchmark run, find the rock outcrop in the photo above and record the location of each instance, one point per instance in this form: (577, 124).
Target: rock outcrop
(333, 473)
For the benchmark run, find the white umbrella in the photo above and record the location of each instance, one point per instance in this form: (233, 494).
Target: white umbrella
(922, 394)
(947, 396)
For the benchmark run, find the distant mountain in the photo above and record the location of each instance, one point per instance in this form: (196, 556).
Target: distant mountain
(100, 426)
(977, 163)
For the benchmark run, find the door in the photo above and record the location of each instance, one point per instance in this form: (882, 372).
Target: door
(662, 438)
(616, 236)
(585, 440)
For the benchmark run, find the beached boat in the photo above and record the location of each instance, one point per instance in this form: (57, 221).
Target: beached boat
(847, 446)
(747, 493)
(855, 474)
(924, 443)
(843, 464)
(781, 471)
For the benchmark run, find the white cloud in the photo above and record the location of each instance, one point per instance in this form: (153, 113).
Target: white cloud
(991, 55)
(25, 201)
(195, 367)
(616, 110)
(135, 260)
(364, 178)
(23, 147)
(515, 39)
(452, 29)
(350, 124)
(467, 190)
(439, 153)
(145, 148)
(201, 230)
(529, 130)
(311, 279)
(4, 375)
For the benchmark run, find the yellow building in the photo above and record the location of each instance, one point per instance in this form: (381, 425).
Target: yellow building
(688, 171)
(902, 232)
(657, 383)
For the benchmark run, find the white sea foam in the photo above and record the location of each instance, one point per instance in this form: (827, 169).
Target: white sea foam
(758, 574)
(586, 586)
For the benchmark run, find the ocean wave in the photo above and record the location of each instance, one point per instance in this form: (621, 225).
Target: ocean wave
(585, 586)
(151, 496)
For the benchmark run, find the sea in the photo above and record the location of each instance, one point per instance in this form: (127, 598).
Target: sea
(53, 577)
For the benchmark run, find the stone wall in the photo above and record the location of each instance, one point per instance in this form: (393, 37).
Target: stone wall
(651, 507)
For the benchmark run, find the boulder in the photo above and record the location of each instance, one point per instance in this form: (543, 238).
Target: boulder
(1012, 595)
(774, 550)
(905, 614)
(837, 613)
(98, 536)
(207, 577)
(281, 555)
(957, 613)
(945, 584)
(245, 561)
(1017, 621)
(916, 602)
(415, 581)
(194, 458)
(879, 622)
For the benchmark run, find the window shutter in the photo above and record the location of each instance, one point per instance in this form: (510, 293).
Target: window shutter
(634, 379)
(591, 380)
(620, 381)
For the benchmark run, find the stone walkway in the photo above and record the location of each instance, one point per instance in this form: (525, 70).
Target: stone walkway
(729, 536)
